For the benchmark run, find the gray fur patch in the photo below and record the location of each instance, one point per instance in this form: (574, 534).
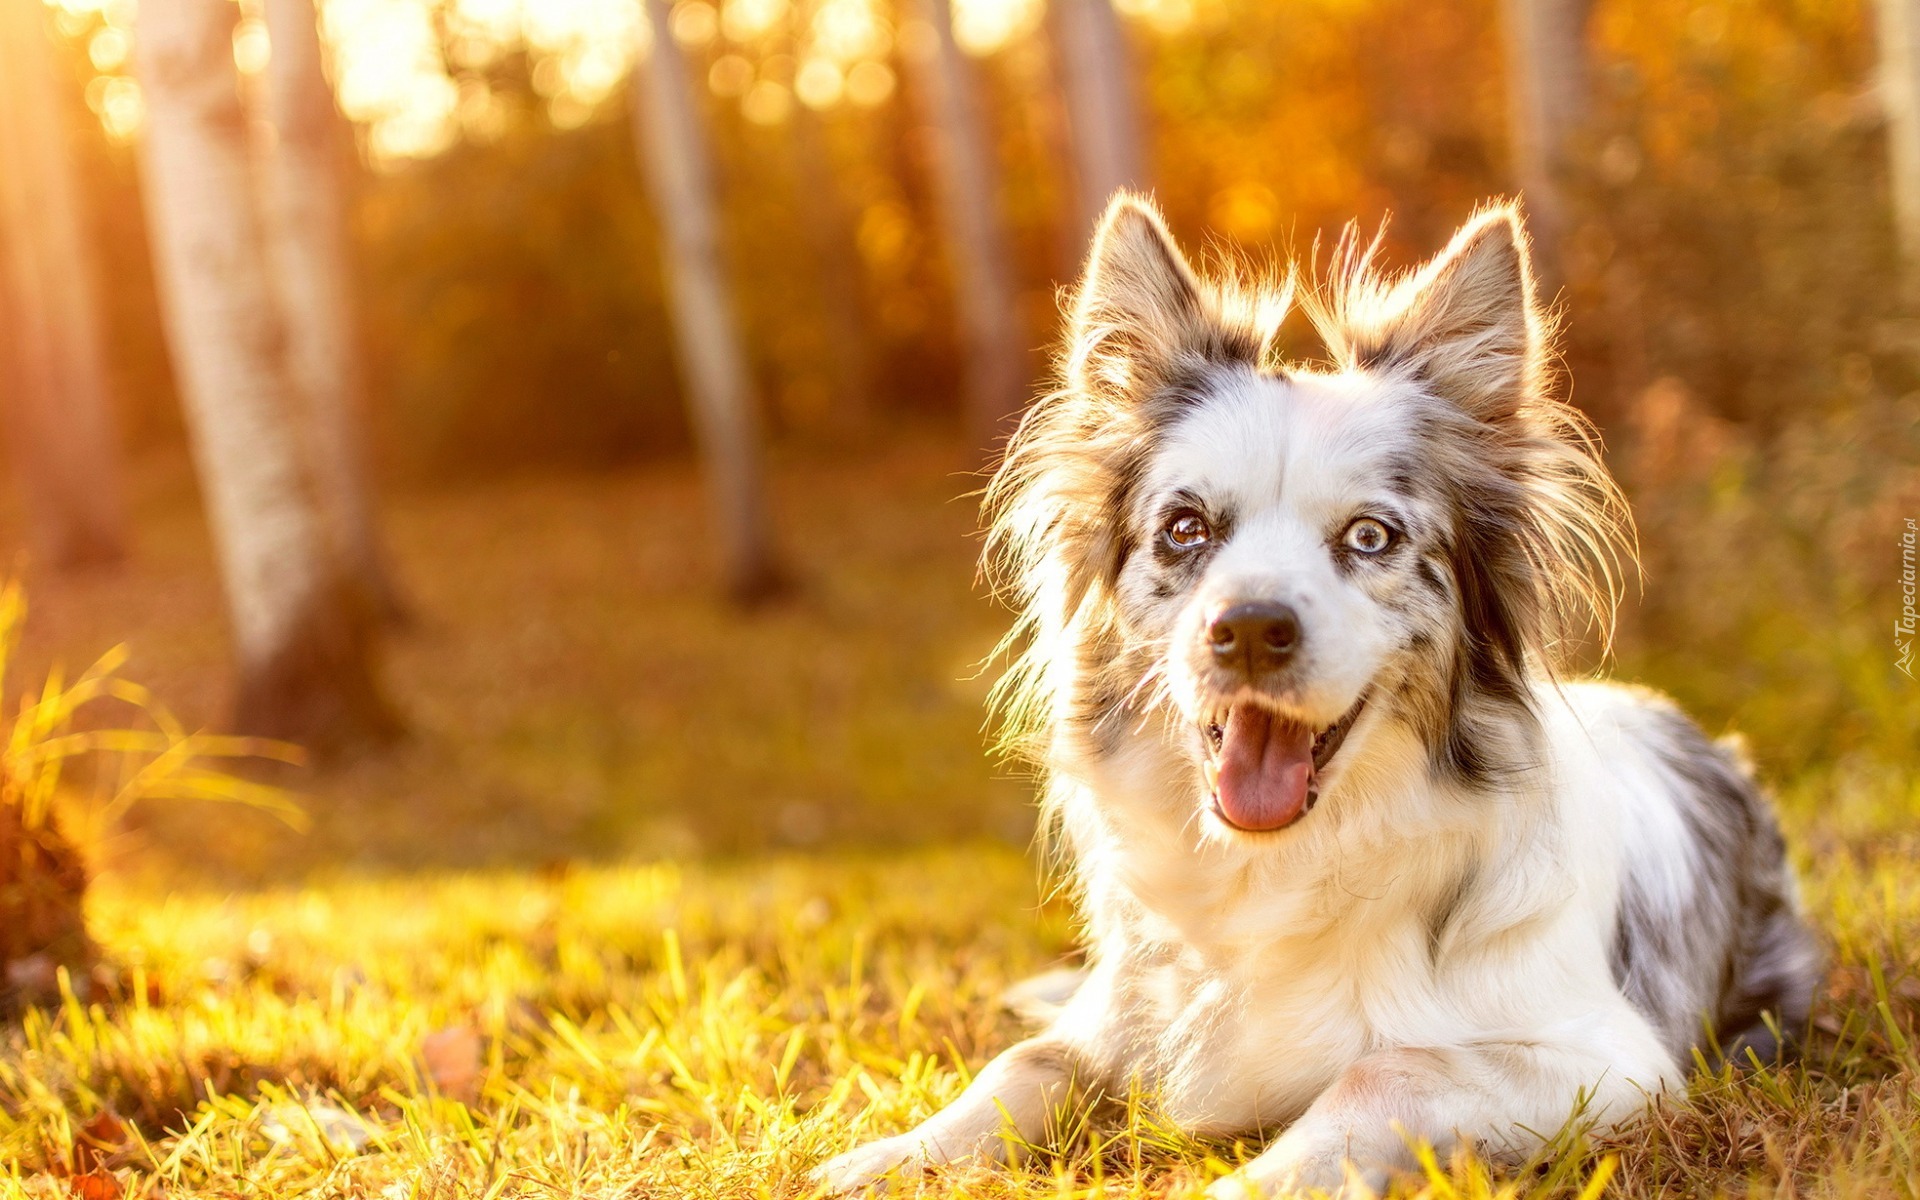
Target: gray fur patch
(1739, 948)
(1440, 919)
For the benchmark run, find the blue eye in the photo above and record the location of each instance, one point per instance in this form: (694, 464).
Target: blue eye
(1187, 530)
(1367, 536)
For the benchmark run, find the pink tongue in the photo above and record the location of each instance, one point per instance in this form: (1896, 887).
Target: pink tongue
(1266, 769)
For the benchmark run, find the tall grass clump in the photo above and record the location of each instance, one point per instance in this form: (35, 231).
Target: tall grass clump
(66, 771)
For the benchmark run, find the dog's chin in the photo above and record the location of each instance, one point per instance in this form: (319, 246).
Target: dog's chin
(1264, 765)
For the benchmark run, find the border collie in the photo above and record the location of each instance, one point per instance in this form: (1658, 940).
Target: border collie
(1357, 868)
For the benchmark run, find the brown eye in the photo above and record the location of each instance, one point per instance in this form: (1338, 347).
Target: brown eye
(1367, 536)
(1188, 530)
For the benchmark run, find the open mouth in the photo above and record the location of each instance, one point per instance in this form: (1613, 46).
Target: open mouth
(1263, 768)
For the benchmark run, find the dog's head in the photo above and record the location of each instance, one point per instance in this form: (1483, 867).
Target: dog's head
(1271, 560)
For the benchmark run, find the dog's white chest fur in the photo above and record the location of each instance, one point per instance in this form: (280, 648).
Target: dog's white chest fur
(1238, 1045)
(1248, 981)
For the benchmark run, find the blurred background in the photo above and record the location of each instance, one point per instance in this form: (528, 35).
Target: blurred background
(566, 416)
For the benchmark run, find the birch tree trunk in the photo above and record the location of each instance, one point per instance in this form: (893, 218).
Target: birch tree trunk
(1103, 110)
(307, 226)
(60, 421)
(303, 648)
(1548, 100)
(1899, 46)
(966, 201)
(713, 361)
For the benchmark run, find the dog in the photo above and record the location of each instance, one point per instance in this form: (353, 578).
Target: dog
(1357, 866)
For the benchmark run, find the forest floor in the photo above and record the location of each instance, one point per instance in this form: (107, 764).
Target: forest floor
(574, 689)
(661, 902)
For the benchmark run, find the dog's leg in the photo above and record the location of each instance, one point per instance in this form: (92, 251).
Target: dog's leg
(1501, 1096)
(1012, 1097)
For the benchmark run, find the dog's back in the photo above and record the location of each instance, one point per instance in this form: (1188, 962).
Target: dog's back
(1707, 935)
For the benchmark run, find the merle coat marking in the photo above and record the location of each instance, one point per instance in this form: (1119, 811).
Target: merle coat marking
(1513, 895)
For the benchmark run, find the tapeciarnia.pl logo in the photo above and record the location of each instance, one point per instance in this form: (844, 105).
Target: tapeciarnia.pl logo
(1904, 624)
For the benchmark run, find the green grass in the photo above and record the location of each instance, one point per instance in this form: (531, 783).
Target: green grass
(716, 1029)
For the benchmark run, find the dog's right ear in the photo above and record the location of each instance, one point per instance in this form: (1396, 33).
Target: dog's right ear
(1141, 315)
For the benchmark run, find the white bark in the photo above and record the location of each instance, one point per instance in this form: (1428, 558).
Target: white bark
(967, 204)
(301, 655)
(1548, 103)
(1103, 110)
(1899, 44)
(307, 226)
(712, 359)
(60, 420)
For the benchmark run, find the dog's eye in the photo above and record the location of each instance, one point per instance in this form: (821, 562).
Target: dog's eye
(1367, 536)
(1187, 530)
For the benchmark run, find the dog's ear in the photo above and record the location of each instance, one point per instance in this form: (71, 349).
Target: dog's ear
(1466, 325)
(1141, 314)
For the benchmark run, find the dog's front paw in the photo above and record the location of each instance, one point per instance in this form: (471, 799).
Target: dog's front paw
(1327, 1176)
(868, 1168)
(1237, 1186)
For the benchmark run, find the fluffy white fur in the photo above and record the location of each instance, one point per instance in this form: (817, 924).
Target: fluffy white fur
(1515, 899)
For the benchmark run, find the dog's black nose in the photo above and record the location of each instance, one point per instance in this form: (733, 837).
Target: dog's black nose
(1252, 638)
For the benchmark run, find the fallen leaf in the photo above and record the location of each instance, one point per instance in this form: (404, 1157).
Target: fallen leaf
(97, 1185)
(453, 1061)
(99, 1139)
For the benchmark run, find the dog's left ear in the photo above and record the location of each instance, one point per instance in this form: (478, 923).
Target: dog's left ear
(1466, 325)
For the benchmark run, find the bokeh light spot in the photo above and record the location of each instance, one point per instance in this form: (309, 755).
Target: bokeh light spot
(984, 26)
(695, 23)
(870, 83)
(730, 76)
(107, 50)
(123, 109)
(819, 84)
(750, 20)
(767, 103)
(251, 48)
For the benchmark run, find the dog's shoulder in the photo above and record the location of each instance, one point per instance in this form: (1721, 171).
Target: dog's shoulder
(1624, 732)
(1707, 922)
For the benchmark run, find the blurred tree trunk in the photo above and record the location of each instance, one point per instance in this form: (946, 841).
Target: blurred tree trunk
(1549, 97)
(1899, 39)
(61, 427)
(1103, 110)
(303, 647)
(307, 225)
(713, 361)
(966, 199)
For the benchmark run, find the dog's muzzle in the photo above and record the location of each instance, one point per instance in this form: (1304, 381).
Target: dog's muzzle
(1262, 759)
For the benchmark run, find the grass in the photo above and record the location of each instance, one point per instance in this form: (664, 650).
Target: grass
(602, 928)
(716, 1029)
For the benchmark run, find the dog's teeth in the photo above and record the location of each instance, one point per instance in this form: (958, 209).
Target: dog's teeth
(1211, 771)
